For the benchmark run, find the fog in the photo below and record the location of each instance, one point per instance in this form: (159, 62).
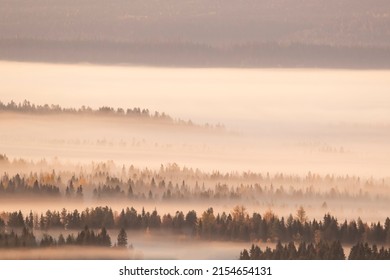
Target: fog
(156, 245)
(293, 95)
(68, 253)
(290, 137)
(226, 107)
(145, 248)
(332, 121)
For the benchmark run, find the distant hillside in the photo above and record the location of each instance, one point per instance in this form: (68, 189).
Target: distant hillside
(205, 33)
(173, 54)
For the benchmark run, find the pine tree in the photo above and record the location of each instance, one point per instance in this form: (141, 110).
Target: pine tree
(244, 255)
(2, 224)
(122, 238)
(103, 238)
(61, 240)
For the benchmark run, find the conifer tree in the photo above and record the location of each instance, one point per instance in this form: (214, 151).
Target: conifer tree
(122, 238)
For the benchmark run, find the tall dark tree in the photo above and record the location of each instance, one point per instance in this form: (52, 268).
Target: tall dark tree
(122, 238)
(103, 238)
(2, 224)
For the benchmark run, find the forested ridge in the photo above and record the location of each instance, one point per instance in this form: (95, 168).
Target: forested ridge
(136, 113)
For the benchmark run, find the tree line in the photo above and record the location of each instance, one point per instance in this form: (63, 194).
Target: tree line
(321, 250)
(28, 107)
(318, 251)
(18, 185)
(237, 225)
(133, 113)
(86, 237)
(105, 186)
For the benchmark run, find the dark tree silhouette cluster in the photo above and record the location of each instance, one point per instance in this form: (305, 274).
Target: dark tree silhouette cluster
(71, 191)
(235, 226)
(14, 240)
(97, 217)
(28, 107)
(86, 237)
(107, 191)
(319, 251)
(18, 185)
(365, 252)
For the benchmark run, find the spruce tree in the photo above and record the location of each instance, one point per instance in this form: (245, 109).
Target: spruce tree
(122, 238)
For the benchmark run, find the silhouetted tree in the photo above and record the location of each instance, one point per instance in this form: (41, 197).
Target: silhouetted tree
(122, 238)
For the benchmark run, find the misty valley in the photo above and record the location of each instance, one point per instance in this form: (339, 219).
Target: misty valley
(146, 202)
(195, 130)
